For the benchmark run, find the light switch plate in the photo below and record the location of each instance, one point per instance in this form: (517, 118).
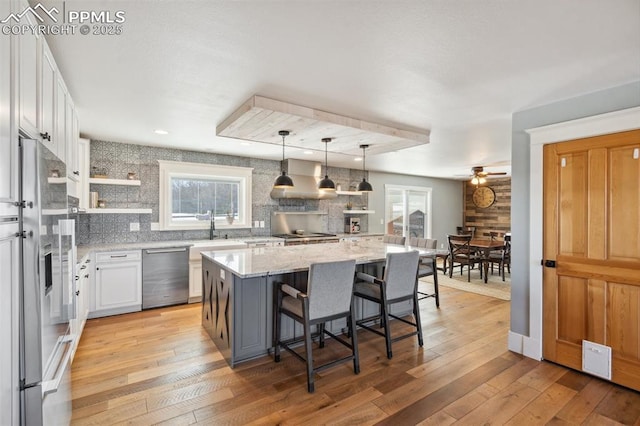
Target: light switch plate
(256, 223)
(134, 226)
(262, 224)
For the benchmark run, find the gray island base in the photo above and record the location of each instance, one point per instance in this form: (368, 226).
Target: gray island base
(238, 285)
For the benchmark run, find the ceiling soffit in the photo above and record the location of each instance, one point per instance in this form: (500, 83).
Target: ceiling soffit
(259, 119)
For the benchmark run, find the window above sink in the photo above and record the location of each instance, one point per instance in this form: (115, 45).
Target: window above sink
(190, 190)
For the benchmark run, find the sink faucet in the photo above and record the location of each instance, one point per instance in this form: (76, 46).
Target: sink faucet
(212, 222)
(212, 226)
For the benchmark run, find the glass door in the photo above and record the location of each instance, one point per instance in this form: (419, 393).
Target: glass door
(408, 211)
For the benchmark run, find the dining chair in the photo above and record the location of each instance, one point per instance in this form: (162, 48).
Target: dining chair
(427, 266)
(399, 284)
(460, 252)
(506, 255)
(466, 230)
(496, 235)
(329, 296)
(393, 239)
(502, 257)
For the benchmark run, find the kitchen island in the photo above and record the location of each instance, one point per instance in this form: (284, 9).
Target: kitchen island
(238, 286)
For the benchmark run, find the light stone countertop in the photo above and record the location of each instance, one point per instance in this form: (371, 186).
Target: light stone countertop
(254, 262)
(85, 249)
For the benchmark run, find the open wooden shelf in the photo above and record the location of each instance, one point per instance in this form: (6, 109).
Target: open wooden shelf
(118, 211)
(123, 182)
(356, 211)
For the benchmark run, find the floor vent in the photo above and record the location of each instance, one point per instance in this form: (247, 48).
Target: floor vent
(596, 359)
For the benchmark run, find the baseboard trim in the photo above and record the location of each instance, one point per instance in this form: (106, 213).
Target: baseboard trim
(514, 342)
(525, 345)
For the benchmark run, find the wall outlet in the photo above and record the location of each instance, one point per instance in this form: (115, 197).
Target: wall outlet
(381, 221)
(262, 224)
(256, 223)
(134, 226)
(441, 246)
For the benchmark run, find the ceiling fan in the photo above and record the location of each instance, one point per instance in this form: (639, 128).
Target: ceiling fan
(479, 175)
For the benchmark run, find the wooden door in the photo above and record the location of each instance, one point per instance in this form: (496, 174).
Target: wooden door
(592, 231)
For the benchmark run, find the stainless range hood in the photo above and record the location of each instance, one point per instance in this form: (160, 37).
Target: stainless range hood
(306, 176)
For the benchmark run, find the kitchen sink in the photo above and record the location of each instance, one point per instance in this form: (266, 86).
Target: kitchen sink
(212, 245)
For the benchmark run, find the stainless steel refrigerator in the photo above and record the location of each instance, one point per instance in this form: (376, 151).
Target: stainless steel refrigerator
(46, 288)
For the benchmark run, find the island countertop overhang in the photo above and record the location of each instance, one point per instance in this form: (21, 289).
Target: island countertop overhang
(263, 261)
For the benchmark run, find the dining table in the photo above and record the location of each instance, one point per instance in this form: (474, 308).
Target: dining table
(483, 247)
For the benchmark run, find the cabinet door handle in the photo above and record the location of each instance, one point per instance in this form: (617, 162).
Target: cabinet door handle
(46, 136)
(77, 292)
(77, 173)
(11, 237)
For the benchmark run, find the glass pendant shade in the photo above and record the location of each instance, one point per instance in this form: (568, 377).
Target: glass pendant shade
(326, 183)
(283, 181)
(364, 186)
(478, 180)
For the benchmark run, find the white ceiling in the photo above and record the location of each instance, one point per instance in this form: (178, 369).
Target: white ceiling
(456, 68)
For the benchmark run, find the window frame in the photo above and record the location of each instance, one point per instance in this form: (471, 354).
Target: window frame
(178, 169)
(406, 191)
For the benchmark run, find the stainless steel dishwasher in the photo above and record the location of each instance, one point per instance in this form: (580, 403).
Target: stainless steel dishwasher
(165, 277)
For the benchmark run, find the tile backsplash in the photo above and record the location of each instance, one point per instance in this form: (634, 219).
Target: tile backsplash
(116, 160)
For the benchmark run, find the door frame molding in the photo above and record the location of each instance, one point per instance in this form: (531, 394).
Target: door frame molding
(601, 124)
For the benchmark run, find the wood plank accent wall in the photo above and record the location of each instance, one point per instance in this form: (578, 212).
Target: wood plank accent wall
(494, 218)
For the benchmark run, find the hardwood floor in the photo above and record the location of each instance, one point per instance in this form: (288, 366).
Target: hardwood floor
(159, 367)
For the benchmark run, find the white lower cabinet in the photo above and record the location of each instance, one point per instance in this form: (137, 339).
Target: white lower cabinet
(195, 264)
(195, 280)
(118, 283)
(84, 284)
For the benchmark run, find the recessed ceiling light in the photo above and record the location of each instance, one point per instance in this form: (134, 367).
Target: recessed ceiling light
(357, 159)
(160, 132)
(308, 152)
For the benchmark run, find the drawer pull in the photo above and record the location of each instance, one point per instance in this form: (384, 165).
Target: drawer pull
(116, 256)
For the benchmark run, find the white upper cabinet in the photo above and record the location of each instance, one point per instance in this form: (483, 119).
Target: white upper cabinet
(71, 137)
(48, 101)
(60, 121)
(45, 108)
(8, 138)
(29, 52)
(83, 167)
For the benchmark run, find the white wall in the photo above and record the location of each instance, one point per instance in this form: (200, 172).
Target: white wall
(446, 201)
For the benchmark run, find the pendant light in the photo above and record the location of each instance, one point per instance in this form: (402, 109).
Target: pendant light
(283, 181)
(364, 186)
(326, 183)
